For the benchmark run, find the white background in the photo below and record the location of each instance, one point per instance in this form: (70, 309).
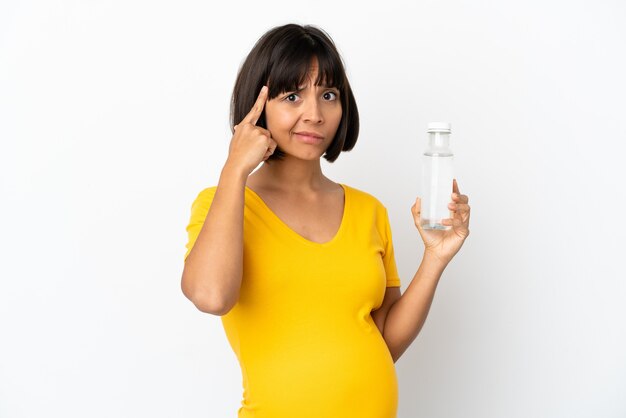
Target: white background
(114, 115)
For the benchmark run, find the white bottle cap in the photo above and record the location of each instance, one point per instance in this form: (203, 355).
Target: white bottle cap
(439, 127)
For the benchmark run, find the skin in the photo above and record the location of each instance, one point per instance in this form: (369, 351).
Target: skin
(407, 314)
(213, 269)
(296, 190)
(294, 187)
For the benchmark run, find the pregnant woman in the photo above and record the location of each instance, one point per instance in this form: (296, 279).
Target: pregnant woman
(301, 269)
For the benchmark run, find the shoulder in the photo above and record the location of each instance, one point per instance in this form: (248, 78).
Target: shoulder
(208, 191)
(204, 197)
(365, 200)
(370, 210)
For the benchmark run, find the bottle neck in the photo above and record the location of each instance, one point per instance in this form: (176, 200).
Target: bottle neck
(439, 144)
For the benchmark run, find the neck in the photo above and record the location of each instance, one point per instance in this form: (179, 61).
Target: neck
(293, 175)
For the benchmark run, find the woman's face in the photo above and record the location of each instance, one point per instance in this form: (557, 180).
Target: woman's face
(303, 123)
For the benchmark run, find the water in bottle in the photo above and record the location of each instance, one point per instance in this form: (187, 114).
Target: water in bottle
(437, 176)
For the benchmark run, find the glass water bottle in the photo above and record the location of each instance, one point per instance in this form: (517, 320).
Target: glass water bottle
(437, 176)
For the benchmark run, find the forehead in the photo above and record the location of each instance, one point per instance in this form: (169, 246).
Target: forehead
(311, 76)
(298, 70)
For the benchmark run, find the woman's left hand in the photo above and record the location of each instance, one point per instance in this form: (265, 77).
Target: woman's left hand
(444, 244)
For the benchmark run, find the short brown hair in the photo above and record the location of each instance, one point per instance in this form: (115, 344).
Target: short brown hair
(281, 59)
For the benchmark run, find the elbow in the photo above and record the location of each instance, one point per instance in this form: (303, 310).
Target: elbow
(217, 309)
(207, 302)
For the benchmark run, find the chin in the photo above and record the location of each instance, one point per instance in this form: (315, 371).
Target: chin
(307, 155)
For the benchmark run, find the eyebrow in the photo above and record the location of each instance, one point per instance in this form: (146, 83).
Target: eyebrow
(299, 89)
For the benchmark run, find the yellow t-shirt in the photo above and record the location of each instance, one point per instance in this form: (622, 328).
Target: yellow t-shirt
(302, 329)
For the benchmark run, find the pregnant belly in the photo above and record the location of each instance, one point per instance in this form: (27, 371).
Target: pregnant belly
(350, 377)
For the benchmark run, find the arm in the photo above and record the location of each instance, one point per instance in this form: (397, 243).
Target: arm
(407, 315)
(213, 269)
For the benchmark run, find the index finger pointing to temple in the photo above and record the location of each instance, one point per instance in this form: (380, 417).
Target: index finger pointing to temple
(254, 114)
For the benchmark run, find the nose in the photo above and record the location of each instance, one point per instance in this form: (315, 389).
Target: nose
(312, 112)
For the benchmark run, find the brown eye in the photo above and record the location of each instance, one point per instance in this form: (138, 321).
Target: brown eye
(330, 95)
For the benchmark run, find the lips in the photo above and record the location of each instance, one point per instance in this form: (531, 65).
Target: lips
(312, 138)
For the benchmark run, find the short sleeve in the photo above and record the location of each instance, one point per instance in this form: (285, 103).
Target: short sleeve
(199, 209)
(389, 260)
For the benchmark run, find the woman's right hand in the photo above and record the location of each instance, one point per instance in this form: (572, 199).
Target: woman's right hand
(251, 144)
